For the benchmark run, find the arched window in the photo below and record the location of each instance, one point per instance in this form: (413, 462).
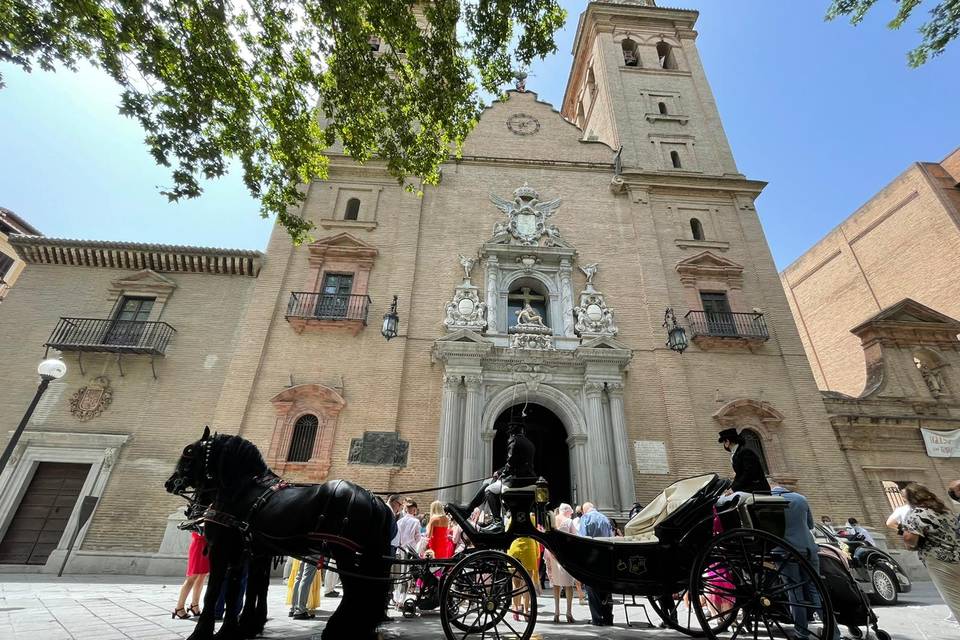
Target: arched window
(930, 367)
(662, 106)
(665, 55)
(697, 229)
(591, 83)
(581, 116)
(630, 57)
(304, 437)
(353, 209)
(675, 159)
(752, 441)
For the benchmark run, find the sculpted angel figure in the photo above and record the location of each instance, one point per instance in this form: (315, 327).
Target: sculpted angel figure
(590, 270)
(467, 264)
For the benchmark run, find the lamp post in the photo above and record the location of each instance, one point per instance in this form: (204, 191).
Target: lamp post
(676, 336)
(49, 371)
(391, 321)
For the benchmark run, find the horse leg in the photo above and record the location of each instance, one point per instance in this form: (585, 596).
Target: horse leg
(218, 571)
(230, 629)
(344, 621)
(254, 616)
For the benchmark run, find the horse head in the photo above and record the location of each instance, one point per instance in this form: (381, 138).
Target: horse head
(193, 469)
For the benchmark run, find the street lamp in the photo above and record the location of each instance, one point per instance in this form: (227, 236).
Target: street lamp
(676, 336)
(391, 321)
(49, 370)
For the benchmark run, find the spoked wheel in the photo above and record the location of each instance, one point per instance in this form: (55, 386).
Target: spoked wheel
(676, 613)
(763, 585)
(484, 596)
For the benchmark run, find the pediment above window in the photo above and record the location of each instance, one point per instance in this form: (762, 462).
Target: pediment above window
(342, 246)
(709, 266)
(747, 411)
(145, 282)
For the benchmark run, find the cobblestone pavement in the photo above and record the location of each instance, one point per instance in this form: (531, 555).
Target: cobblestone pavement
(36, 607)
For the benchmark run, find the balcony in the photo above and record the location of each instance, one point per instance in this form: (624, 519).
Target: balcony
(715, 328)
(309, 310)
(111, 336)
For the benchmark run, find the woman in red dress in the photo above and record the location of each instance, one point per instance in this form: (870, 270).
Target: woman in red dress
(438, 532)
(198, 566)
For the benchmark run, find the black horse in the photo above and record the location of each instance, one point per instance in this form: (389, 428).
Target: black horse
(253, 516)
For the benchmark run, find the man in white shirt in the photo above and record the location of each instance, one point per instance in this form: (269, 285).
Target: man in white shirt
(408, 535)
(855, 529)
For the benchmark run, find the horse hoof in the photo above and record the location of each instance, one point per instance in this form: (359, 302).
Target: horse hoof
(231, 632)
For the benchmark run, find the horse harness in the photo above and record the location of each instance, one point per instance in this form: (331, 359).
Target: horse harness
(272, 486)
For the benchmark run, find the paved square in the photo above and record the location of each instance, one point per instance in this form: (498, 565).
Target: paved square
(37, 607)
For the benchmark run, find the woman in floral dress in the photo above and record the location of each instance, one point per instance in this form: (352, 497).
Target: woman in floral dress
(931, 529)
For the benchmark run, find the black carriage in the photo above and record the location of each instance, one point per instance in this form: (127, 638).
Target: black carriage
(709, 564)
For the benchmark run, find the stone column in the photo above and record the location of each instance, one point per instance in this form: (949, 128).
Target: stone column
(621, 447)
(581, 467)
(493, 297)
(473, 447)
(599, 457)
(450, 450)
(566, 298)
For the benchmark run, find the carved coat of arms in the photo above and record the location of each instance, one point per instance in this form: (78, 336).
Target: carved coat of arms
(526, 219)
(91, 400)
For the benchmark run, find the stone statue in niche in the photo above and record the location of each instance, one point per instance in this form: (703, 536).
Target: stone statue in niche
(932, 377)
(528, 317)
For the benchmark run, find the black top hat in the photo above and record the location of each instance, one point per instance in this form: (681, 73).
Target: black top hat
(515, 426)
(729, 434)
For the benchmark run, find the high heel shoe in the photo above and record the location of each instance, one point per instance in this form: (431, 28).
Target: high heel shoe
(178, 611)
(556, 618)
(570, 619)
(194, 609)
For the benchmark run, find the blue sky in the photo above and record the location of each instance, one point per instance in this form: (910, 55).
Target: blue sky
(825, 112)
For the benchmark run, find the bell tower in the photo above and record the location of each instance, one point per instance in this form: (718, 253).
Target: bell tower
(637, 82)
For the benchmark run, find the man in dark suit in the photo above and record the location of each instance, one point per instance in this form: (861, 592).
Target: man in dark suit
(747, 468)
(519, 465)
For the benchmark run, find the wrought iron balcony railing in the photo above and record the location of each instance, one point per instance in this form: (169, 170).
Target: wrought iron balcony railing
(717, 324)
(328, 306)
(113, 336)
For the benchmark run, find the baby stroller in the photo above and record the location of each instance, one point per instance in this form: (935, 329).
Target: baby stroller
(850, 605)
(428, 580)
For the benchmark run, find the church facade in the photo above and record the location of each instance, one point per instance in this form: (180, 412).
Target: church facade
(537, 281)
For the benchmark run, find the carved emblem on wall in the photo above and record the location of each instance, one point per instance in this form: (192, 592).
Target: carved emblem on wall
(92, 400)
(527, 218)
(593, 316)
(466, 310)
(379, 448)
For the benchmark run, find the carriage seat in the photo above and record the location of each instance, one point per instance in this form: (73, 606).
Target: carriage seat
(641, 526)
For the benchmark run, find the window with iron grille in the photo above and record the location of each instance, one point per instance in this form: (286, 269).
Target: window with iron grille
(304, 436)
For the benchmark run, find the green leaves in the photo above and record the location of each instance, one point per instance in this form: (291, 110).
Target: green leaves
(943, 26)
(274, 83)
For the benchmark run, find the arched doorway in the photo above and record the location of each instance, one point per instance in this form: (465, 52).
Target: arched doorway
(552, 457)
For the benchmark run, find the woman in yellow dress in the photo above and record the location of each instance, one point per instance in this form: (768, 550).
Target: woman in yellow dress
(527, 552)
(313, 600)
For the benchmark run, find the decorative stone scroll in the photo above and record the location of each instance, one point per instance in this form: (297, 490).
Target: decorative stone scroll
(379, 448)
(466, 310)
(91, 400)
(594, 318)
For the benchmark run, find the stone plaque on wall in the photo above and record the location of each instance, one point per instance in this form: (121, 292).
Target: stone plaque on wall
(651, 457)
(379, 447)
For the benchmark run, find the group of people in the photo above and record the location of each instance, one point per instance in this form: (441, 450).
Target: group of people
(431, 536)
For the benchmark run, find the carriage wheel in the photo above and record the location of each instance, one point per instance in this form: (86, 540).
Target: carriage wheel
(760, 583)
(676, 612)
(483, 596)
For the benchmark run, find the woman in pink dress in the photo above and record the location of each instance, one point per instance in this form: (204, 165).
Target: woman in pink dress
(559, 578)
(438, 532)
(198, 566)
